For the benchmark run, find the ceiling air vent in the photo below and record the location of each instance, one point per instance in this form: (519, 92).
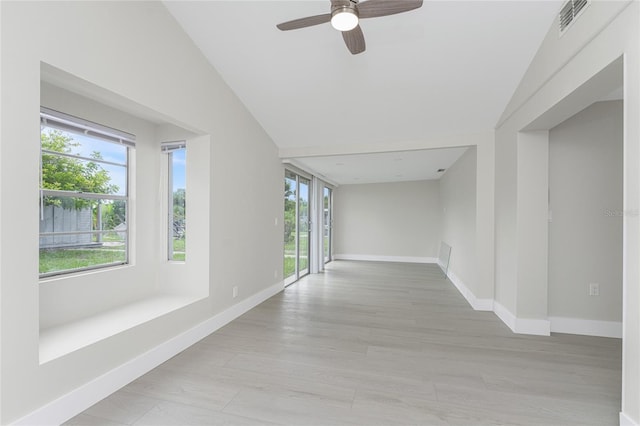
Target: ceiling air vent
(570, 12)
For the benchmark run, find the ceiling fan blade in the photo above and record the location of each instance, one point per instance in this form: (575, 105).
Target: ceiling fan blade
(354, 40)
(304, 22)
(376, 8)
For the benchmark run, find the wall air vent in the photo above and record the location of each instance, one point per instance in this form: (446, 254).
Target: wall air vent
(570, 12)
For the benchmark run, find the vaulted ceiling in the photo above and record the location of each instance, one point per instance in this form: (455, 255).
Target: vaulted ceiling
(448, 68)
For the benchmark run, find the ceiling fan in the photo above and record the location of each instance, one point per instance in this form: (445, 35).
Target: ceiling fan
(345, 15)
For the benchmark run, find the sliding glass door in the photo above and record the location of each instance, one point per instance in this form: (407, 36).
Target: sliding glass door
(303, 226)
(296, 226)
(327, 222)
(290, 227)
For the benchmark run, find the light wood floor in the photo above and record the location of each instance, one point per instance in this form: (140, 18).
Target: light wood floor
(374, 344)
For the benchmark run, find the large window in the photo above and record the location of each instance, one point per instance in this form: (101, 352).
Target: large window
(83, 194)
(177, 204)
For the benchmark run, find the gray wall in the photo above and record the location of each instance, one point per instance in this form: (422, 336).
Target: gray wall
(147, 64)
(561, 70)
(458, 200)
(585, 233)
(387, 219)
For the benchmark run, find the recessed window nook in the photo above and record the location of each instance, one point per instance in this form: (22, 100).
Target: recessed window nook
(84, 307)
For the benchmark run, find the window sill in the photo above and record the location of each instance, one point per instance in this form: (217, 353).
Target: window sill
(61, 340)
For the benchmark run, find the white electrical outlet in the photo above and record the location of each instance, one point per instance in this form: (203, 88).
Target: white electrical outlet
(594, 289)
(276, 222)
(275, 273)
(235, 291)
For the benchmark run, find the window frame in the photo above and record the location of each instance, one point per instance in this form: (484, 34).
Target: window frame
(168, 149)
(53, 119)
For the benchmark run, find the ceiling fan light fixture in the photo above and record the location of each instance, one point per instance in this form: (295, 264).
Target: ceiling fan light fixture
(344, 19)
(345, 14)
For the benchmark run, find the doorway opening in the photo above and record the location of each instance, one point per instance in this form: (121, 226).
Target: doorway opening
(585, 221)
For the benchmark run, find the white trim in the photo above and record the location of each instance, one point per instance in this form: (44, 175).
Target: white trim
(476, 304)
(505, 315)
(294, 168)
(626, 420)
(376, 258)
(441, 264)
(586, 327)
(67, 122)
(83, 397)
(538, 327)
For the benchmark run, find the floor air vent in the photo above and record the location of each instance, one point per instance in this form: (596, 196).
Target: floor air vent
(570, 12)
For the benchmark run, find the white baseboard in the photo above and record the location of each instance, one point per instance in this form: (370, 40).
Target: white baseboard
(586, 327)
(538, 327)
(376, 258)
(626, 420)
(476, 304)
(78, 400)
(505, 315)
(533, 326)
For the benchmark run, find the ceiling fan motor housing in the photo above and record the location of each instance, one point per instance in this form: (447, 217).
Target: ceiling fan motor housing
(338, 6)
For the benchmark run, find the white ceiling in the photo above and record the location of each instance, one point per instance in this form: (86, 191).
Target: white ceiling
(447, 68)
(382, 167)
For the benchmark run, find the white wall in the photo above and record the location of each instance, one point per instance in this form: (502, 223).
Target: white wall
(467, 196)
(563, 65)
(484, 287)
(392, 221)
(66, 299)
(148, 67)
(69, 298)
(585, 232)
(458, 200)
(531, 229)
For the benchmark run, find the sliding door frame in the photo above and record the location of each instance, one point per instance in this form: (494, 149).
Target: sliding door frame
(327, 224)
(295, 175)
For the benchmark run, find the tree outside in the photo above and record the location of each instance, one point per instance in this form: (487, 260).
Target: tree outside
(177, 163)
(71, 174)
(296, 224)
(68, 172)
(289, 227)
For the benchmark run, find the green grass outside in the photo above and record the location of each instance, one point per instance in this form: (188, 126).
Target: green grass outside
(179, 244)
(289, 266)
(179, 249)
(111, 236)
(180, 257)
(52, 260)
(290, 246)
(290, 253)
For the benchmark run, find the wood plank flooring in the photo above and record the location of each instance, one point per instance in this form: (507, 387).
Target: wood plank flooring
(369, 343)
